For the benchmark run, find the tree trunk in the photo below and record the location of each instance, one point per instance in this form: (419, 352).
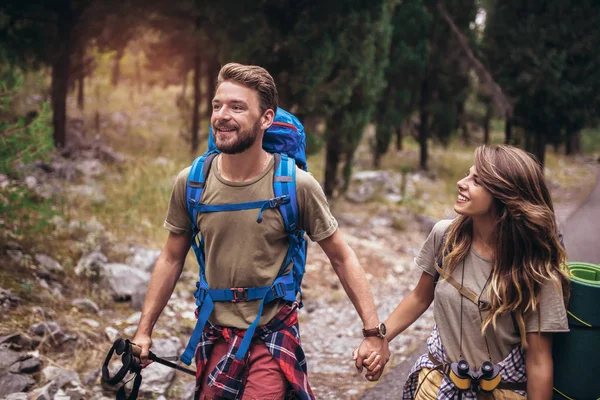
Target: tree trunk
(197, 95)
(461, 123)
(508, 131)
(529, 142)
(348, 170)
(116, 72)
(399, 145)
(60, 72)
(486, 124)
(138, 73)
(424, 125)
(577, 142)
(539, 149)
(333, 151)
(80, 92)
(332, 159)
(573, 143)
(212, 72)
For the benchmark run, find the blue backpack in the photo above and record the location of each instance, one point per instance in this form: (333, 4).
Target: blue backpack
(287, 141)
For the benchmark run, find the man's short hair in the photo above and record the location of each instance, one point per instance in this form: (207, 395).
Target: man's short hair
(253, 77)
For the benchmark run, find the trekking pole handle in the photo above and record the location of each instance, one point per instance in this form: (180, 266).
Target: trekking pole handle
(137, 351)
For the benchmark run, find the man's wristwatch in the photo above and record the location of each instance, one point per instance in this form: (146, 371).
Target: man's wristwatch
(379, 331)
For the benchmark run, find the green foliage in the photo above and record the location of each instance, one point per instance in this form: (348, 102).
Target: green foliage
(26, 140)
(544, 54)
(590, 139)
(408, 58)
(314, 143)
(23, 212)
(23, 139)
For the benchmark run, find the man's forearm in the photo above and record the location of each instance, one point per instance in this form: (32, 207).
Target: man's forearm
(162, 283)
(356, 286)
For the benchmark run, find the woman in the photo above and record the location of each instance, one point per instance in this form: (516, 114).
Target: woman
(504, 254)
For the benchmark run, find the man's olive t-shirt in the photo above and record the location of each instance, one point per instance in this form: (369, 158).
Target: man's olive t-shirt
(240, 252)
(447, 308)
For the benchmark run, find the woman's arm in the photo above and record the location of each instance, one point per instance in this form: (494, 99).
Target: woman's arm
(411, 307)
(539, 366)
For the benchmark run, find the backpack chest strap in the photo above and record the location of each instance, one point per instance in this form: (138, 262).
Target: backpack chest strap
(262, 204)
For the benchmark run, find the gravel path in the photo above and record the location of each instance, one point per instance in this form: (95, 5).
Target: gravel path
(582, 230)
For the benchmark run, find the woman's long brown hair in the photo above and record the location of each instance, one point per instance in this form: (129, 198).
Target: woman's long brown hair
(527, 250)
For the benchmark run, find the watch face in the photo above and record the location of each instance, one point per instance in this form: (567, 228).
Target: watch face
(382, 329)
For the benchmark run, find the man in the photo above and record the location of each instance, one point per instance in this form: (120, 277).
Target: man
(241, 253)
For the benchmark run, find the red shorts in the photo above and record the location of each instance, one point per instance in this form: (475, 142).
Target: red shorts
(265, 379)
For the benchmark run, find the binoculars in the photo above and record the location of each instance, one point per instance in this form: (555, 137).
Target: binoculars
(486, 379)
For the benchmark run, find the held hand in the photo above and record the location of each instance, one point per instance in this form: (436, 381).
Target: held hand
(144, 342)
(373, 354)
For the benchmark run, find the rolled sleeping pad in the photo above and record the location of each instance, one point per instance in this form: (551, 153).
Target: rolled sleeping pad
(576, 354)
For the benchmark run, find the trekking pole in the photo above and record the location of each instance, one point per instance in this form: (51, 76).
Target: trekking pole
(153, 357)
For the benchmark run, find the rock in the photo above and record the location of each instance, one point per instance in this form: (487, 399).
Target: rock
(49, 263)
(139, 295)
(158, 378)
(71, 393)
(4, 181)
(143, 258)
(8, 358)
(134, 318)
(89, 192)
(130, 331)
(52, 331)
(31, 182)
(17, 341)
(87, 305)
(91, 265)
(123, 280)
(16, 396)
(92, 377)
(45, 393)
(14, 251)
(29, 366)
(14, 383)
(7, 299)
(90, 168)
(62, 384)
(111, 333)
(60, 376)
(105, 153)
(90, 322)
(188, 391)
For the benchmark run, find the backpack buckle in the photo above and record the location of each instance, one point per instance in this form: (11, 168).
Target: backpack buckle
(278, 290)
(277, 201)
(239, 294)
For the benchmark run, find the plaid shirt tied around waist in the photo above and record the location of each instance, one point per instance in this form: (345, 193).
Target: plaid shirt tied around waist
(512, 369)
(282, 338)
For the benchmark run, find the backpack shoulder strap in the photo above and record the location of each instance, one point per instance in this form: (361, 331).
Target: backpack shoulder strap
(196, 182)
(284, 183)
(463, 290)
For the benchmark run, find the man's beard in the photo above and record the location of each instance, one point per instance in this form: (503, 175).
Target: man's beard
(242, 142)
